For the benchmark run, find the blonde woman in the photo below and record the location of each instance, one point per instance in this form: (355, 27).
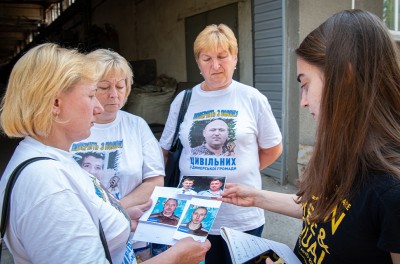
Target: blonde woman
(56, 206)
(241, 137)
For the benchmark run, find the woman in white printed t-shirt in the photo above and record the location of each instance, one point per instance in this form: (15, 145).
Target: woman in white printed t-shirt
(56, 206)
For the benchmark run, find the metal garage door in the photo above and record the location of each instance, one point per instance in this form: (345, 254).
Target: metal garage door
(268, 63)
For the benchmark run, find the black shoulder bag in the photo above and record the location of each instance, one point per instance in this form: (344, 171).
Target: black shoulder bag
(5, 214)
(172, 172)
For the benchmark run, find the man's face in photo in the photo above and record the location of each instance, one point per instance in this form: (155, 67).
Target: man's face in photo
(169, 207)
(215, 185)
(216, 134)
(92, 165)
(198, 215)
(187, 184)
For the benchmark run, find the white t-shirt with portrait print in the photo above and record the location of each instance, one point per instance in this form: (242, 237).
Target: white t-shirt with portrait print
(251, 126)
(131, 152)
(55, 209)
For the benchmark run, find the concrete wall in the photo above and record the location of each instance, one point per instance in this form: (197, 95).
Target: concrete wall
(321, 10)
(163, 36)
(245, 39)
(291, 90)
(154, 29)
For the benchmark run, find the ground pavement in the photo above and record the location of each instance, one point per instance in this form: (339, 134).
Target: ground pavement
(278, 227)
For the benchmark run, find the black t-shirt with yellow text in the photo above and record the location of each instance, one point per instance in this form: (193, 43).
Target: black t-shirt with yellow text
(366, 232)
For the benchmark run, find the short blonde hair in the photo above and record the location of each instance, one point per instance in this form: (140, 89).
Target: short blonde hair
(214, 36)
(37, 78)
(110, 62)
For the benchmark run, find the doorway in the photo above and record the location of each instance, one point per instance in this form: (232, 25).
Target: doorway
(195, 24)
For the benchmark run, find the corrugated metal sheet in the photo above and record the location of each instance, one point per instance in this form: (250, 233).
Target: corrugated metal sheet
(268, 62)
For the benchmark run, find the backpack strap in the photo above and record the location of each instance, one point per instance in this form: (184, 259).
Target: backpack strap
(182, 112)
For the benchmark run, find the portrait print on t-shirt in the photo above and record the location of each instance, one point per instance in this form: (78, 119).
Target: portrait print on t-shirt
(101, 164)
(212, 140)
(213, 136)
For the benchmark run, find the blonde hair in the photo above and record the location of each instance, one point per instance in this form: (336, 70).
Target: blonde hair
(214, 36)
(36, 80)
(110, 62)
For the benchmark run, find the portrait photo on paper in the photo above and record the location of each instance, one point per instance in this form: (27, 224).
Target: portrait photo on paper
(205, 186)
(197, 219)
(167, 211)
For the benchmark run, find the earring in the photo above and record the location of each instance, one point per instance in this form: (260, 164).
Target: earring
(56, 116)
(235, 67)
(201, 73)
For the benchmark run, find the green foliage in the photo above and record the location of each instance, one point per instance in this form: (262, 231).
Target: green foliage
(388, 13)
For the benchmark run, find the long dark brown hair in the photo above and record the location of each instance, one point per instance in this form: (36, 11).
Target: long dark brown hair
(359, 121)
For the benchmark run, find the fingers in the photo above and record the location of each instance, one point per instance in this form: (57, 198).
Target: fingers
(223, 199)
(134, 224)
(229, 189)
(189, 240)
(185, 251)
(229, 185)
(198, 249)
(145, 206)
(229, 195)
(135, 212)
(186, 240)
(269, 261)
(207, 244)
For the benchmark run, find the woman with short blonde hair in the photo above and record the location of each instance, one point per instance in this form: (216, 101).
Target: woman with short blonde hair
(245, 140)
(56, 208)
(44, 74)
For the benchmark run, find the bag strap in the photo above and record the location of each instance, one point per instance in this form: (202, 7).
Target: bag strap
(182, 112)
(7, 192)
(104, 242)
(5, 213)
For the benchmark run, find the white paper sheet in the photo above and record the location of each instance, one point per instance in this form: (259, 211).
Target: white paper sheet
(167, 234)
(244, 247)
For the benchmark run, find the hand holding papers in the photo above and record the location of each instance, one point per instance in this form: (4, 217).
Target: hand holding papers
(172, 217)
(244, 247)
